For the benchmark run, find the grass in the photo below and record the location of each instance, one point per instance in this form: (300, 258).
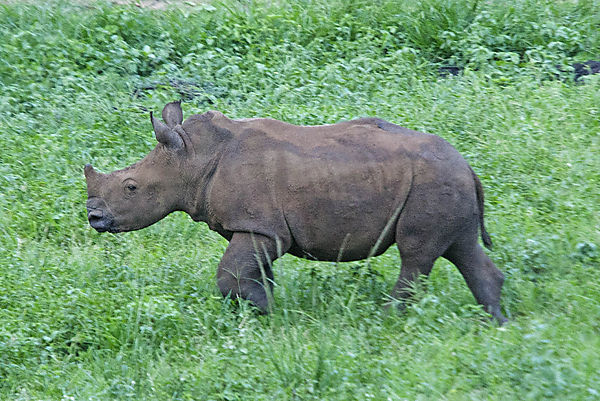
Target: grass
(138, 315)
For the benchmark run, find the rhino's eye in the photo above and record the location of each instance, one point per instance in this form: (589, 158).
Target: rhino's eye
(130, 187)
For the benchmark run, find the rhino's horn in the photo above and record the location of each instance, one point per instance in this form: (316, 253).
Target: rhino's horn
(92, 178)
(172, 114)
(89, 171)
(166, 135)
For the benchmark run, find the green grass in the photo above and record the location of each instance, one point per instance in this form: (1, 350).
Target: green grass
(138, 315)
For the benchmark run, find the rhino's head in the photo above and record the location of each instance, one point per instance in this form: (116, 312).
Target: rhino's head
(147, 191)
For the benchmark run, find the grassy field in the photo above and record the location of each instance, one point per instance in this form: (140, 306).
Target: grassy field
(138, 316)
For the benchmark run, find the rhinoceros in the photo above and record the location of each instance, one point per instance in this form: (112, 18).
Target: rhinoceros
(338, 192)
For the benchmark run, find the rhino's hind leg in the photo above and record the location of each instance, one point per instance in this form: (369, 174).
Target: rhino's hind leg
(482, 276)
(245, 269)
(419, 247)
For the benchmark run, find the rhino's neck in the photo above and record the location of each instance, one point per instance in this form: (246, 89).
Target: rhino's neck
(209, 135)
(199, 188)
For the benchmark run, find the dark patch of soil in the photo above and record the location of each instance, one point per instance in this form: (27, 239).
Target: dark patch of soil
(447, 71)
(580, 70)
(201, 92)
(589, 67)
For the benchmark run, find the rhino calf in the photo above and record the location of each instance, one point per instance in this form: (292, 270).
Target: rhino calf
(341, 192)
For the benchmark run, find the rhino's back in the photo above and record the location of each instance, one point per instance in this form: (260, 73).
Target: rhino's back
(332, 189)
(345, 138)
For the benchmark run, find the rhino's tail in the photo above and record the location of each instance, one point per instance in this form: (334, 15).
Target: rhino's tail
(487, 241)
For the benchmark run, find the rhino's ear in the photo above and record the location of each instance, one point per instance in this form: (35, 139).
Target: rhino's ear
(166, 135)
(172, 114)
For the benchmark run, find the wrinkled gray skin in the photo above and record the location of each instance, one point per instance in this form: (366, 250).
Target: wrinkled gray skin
(335, 192)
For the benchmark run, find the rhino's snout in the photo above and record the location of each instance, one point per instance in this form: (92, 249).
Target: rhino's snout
(100, 219)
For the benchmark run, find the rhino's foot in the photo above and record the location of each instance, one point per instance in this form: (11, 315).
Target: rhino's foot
(482, 276)
(394, 307)
(497, 314)
(256, 308)
(250, 290)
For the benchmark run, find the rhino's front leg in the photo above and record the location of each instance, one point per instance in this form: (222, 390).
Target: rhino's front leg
(245, 269)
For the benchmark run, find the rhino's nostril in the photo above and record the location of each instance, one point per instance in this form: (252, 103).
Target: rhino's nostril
(100, 220)
(95, 214)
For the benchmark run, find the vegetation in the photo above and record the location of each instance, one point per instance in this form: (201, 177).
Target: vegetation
(138, 315)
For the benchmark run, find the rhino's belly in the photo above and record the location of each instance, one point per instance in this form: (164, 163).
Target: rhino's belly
(341, 230)
(341, 254)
